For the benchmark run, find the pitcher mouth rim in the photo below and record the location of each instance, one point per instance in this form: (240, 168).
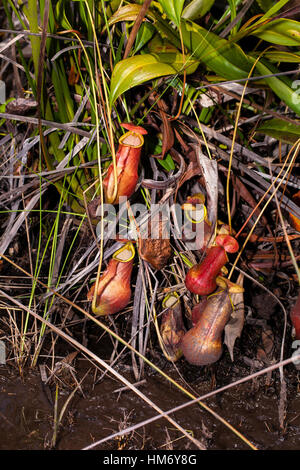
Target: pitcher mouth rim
(128, 246)
(136, 134)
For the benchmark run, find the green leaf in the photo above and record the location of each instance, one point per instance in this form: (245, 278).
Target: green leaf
(62, 16)
(144, 35)
(112, 6)
(173, 9)
(119, 51)
(167, 163)
(158, 45)
(3, 105)
(196, 9)
(282, 87)
(126, 13)
(282, 31)
(271, 12)
(229, 61)
(265, 5)
(281, 130)
(274, 9)
(282, 56)
(176, 60)
(190, 96)
(134, 71)
(34, 28)
(65, 102)
(223, 57)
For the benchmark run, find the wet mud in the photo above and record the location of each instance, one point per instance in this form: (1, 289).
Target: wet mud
(99, 409)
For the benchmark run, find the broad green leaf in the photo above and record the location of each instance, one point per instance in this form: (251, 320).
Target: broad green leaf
(165, 29)
(282, 56)
(168, 53)
(229, 61)
(281, 130)
(173, 9)
(167, 163)
(136, 70)
(282, 87)
(144, 35)
(196, 9)
(271, 12)
(112, 6)
(223, 57)
(282, 31)
(176, 60)
(126, 13)
(158, 45)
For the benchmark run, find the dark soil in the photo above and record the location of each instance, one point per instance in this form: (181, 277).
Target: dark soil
(27, 406)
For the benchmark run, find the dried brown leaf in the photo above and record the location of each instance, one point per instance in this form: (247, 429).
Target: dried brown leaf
(234, 327)
(268, 342)
(172, 331)
(209, 169)
(21, 106)
(156, 248)
(191, 171)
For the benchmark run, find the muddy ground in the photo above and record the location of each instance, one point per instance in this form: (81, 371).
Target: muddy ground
(98, 410)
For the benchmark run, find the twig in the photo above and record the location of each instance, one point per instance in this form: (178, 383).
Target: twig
(54, 125)
(136, 26)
